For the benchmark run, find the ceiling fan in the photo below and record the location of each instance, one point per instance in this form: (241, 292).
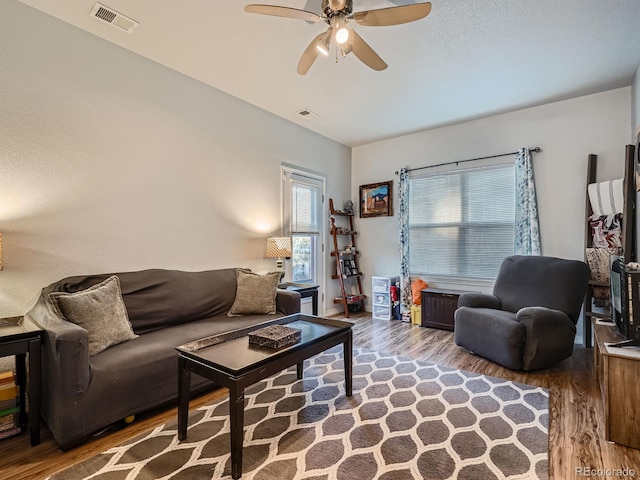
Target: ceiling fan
(337, 14)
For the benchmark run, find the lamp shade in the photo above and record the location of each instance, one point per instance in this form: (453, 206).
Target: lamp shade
(278, 247)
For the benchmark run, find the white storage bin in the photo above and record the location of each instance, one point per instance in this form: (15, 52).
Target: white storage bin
(381, 289)
(380, 284)
(381, 313)
(383, 299)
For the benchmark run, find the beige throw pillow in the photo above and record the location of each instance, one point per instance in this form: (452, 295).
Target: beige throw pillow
(255, 294)
(100, 310)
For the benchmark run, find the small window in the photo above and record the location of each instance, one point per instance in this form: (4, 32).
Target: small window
(462, 223)
(302, 264)
(303, 214)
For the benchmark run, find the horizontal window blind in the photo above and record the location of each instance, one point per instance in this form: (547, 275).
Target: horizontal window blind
(304, 202)
(461, 224)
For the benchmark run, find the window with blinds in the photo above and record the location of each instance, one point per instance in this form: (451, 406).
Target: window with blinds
(462, 223)
(304, 207)
(304, 225)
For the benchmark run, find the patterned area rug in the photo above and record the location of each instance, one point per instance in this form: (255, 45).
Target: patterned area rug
(406, 420)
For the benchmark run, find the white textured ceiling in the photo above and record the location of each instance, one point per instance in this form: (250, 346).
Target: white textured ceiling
(467, 59)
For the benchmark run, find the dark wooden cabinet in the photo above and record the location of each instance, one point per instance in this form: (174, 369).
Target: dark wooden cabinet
(438, 307)
(617, 374)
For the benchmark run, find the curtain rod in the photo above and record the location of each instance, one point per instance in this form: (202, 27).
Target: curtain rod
(536, 150)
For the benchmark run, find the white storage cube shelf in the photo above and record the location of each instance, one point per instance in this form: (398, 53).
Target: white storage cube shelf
(381, 288)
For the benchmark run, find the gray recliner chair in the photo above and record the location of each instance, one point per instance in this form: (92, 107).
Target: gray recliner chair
(530, 320)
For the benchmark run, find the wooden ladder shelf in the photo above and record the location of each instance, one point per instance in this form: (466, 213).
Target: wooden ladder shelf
(347, 266)
(628, 227)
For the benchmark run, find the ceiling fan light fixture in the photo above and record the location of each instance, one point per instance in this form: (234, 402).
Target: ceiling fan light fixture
(339, 24)
(338, 13)
(342, 35)
(324, 44)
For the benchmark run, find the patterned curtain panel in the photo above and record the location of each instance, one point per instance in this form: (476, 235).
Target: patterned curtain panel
(527, 235)
(405, 281)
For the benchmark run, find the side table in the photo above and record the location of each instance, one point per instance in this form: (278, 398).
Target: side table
(20, 336)
(305, 290)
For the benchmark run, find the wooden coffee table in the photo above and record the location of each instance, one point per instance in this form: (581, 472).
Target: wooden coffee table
(230, 361)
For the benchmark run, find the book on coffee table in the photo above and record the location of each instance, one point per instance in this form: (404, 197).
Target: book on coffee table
(275, 336)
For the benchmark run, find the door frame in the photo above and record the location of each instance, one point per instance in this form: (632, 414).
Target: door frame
(286, 171)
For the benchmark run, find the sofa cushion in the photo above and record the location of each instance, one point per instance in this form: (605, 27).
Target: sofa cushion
(255, 294)
(160, 298)
(100, 310)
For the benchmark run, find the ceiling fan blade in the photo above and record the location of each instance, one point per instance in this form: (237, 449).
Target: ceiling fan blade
(383, 17)
(286, 12)
(309, 55)
(365, 53)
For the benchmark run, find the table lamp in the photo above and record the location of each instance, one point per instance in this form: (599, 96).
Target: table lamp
(279, 247)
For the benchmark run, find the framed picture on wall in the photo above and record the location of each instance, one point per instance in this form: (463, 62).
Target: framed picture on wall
(376, 200)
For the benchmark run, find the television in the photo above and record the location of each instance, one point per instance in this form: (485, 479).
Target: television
(625, 302)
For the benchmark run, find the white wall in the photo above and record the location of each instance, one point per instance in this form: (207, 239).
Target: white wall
(110, 162)
(566, 131)
(635, 104)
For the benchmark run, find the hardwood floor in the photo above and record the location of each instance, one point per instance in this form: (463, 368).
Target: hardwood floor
(576, 433)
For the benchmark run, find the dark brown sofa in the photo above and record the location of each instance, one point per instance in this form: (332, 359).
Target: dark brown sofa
(166, 308)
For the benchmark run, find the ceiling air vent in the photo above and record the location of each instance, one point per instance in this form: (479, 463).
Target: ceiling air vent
(308, 114)
(110, 16)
